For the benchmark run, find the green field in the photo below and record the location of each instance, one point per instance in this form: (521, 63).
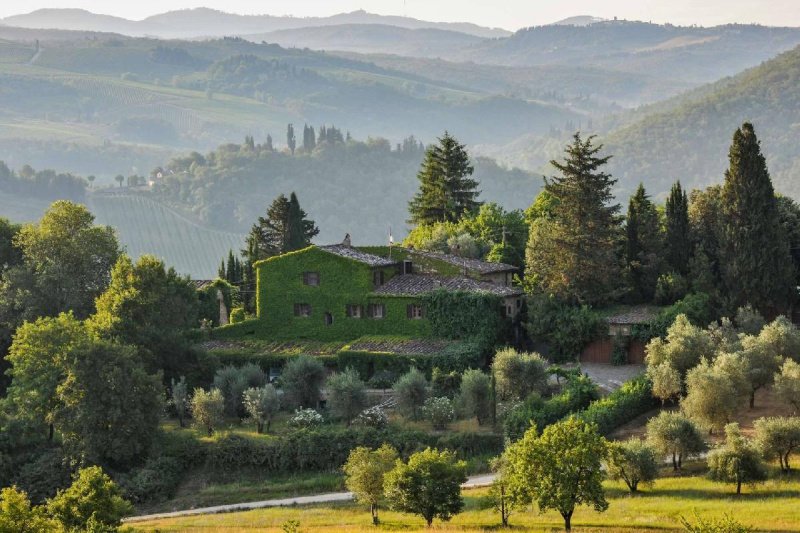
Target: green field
(769, 507)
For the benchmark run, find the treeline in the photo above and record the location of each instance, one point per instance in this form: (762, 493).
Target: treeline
(44, 184)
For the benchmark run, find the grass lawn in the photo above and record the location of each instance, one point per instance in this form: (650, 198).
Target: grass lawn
(772, 506)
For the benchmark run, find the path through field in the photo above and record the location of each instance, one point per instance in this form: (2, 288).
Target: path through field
(483, 480)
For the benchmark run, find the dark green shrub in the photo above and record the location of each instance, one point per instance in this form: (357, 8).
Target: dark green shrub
(467, 315)
(670, 288)
(634, 398)
(44, 475)
(619, 353)
(565, 328)
(445, 383)
(155, 481)
(696, 307)
(209, 304)
(237, 315)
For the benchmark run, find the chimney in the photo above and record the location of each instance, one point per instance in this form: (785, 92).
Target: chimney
(346, 241)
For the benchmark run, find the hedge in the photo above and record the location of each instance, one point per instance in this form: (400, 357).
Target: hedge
(634, 398)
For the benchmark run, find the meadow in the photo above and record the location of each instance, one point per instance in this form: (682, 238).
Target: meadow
(768, 507)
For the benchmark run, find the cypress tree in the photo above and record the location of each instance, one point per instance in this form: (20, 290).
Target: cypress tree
(269, 143)
(230, 270)
(291, 140)
(446, 190)
(299, 229)
(677, 240)
(756, 266)
(643, 245)
(573, 253)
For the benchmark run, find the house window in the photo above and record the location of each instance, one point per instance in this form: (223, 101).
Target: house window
(509, 311)
(377, 278)
(302, 310)
(311, 278)
(328, 319)
(414, 311)
(376, 311)
(519, 303)
(353, 311)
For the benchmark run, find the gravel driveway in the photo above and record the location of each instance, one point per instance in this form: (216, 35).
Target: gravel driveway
(611, 377)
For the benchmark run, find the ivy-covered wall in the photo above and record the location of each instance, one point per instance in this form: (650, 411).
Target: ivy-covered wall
(342, 282)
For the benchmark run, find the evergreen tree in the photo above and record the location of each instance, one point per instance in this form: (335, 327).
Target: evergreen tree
(643, 245)
(230, 270)
(300, 230)
(573, 253)
(309, 138)
(756, 266)
(446, 191)
(221, 271)
(678, 244)
(269, 143)
(291, 141)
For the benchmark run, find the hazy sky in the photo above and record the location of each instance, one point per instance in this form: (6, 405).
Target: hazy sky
(510, 14)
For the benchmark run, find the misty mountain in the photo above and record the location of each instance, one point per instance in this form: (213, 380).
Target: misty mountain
(372, 38)
(580, 20)
(205, 22)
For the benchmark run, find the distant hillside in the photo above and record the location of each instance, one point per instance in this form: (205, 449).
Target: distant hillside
(372, 38)
(688, 138)
(132, 98)
(580, 20)
(213, 23)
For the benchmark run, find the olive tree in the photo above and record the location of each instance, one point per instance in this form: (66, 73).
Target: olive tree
(778, 437)
(560, 469)
(179, 399)
(633, 461)
(685, 345)
(208, 409)
(787, 384)
(346, 394)
(232, 381)
(759, 364)
(92, 503)
(302, 378)
(365, 471)
(713, 394)
(429, 485)
(261, 405)
(782, 338)
(737, 461)
(518, 374)
(666, 381)
(475, 396)
(749, 321)
(672, 434)
(410, 392)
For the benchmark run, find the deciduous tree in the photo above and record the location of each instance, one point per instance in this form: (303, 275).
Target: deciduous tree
(92, 503)
(365, 471)
(634, 462)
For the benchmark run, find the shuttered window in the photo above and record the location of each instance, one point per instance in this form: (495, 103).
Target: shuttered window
(311, 278)
(414, 311)
(376, 311)
(354, 311)
(302, 310)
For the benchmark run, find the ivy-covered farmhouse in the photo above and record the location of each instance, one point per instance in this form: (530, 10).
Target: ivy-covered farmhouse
(343, 292)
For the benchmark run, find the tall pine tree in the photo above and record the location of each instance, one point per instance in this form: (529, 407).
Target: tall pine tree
(573, 253)
(643, 246)
(299, 229)
(446, 190)
(756, 266)
(677, 240)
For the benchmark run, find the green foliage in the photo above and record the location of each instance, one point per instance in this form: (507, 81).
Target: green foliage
(676, 240)
(410, 392)
(632, 399)
(446, 190)
(517, 375)
(787, 384)
(756, 266)
(713, 394)
(429, 485)
(209, 302)
(670, 288)
(346, 394)
(748, 320)
(683, 348)
(643, 246)
(737, 461)
(573, 253)
(261, 405)
(301, 381)
(108, 406)
(726, 524)
(208, 409)
(475, 395)
(777, 437)
(18, 516)
(560, 469)
(92, 501)
(445, 383)
(365, 470)
(565, 328)
(634, 462)
(672, 433)
(466, 315)
(232, 381)
(237, 315)
(179, 399)
(577, 395)
(666, 380)
(696, 307)
(439, 411)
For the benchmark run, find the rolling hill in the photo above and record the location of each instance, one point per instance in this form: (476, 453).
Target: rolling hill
(205, 22)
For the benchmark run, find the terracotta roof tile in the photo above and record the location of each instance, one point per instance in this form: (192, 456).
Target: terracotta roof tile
(415, 284)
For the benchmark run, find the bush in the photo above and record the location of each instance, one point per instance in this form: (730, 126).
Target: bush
(410, 392)
(439, 411)
(237, 315)
(670, 288)
(232, 382)
(374, 417)
(155, 481)
(517, 374)
(634, 398)
(445, 384)
(302, 380)
(93, 499)
(726, 524)
(305, 419)
(696, 307)
(383, 380)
